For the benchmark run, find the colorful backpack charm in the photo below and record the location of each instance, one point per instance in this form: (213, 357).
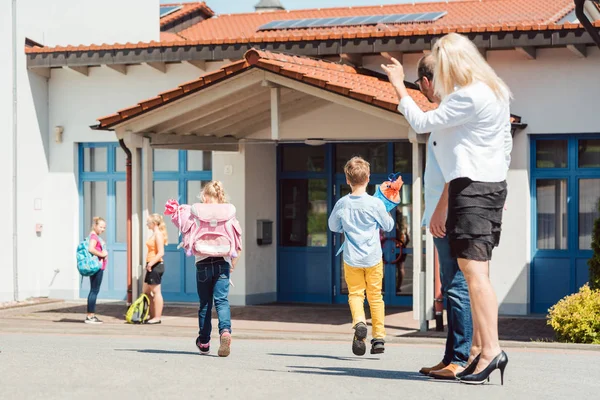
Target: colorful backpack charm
(389, 191)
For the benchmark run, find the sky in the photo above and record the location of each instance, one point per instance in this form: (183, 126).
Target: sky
(241, 6)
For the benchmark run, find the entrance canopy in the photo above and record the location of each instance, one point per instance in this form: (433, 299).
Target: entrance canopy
(241, 100)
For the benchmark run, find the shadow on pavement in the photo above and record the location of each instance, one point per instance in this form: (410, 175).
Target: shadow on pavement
(322, 356)
(359, 373)
(157, 351)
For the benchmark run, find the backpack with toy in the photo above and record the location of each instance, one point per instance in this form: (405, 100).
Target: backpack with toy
(209, 230)
(87, 263)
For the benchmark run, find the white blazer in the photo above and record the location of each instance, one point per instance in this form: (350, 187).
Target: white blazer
(472, 133)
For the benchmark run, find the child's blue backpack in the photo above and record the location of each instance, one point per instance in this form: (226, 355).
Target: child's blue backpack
(87, 263)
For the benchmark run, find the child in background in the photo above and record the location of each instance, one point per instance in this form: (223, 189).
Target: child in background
(360, 217)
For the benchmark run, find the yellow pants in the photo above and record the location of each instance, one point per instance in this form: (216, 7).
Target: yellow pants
(369, 279)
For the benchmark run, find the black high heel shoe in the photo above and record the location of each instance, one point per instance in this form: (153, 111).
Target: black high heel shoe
(499, 362)
(470, 368)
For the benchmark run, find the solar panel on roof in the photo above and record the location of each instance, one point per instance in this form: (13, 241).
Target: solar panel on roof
(166, 10)
(352, 21)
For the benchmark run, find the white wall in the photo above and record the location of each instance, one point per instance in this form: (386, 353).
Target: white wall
(76, 22)
(333, 121)
(6, 132)
(261, 203)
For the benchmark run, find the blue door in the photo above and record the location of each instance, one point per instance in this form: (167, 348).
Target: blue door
(311, 180)
(565, 195)
(102, 193)
(178, 174)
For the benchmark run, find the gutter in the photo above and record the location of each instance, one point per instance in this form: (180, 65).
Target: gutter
(582, 17)
(14, 150)
(128, 184)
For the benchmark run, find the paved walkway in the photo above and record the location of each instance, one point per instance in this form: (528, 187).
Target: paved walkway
(328, 322)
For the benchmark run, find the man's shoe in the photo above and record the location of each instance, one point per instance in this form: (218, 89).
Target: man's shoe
(377, 346)
(427, 370)
(358, 342)
(448, 372)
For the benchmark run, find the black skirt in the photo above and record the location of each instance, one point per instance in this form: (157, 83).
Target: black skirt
(474, 217)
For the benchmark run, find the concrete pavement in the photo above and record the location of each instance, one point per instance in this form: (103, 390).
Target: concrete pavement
(99, 366)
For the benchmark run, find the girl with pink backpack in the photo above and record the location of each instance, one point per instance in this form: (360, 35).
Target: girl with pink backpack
(211, 232)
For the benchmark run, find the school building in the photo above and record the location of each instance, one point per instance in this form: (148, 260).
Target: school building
(110, 109)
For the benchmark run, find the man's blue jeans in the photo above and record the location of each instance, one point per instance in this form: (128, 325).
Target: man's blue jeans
(458, 306)
(212, 279)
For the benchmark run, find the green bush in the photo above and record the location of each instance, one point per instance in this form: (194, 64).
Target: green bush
(594, 262)
(576, 318)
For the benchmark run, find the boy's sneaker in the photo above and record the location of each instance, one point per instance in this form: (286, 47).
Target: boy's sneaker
(92, 320)
(225, 347)
(204, 348)
(377, 346)
(358, 342)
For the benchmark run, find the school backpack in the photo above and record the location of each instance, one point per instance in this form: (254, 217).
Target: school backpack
(138, 312)
(209, 230)
(87, 263)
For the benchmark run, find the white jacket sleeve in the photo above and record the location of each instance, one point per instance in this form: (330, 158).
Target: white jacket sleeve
(456, 109)
(508, 142)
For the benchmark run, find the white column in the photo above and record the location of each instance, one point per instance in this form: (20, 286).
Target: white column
(422, 274)
(275, 112)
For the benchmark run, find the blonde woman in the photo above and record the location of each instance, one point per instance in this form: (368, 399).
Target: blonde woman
(472, 146)
(155, 267)
(97, 248)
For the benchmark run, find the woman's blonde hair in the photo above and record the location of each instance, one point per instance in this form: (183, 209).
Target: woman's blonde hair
(162, 227)
(96, 221)
(458, 62)
(214, 189)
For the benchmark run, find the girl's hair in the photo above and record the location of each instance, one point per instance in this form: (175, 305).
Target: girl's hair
(96, 221)
(160, 223)
(458, 62)
(215, 190)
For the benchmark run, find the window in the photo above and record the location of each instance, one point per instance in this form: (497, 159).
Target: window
(95, 195)
(163, 191)
(589, 153)
(95, 159)
(551, 154)
(303, 212)
(166, 160)
(375, 153)
(552, 229)
(303, 158)
(403, 157)
(589, 201)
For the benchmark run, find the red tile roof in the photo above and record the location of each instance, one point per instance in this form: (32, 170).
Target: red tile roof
(337, 78)
(167, 37)
(462, 16)
(186, 9)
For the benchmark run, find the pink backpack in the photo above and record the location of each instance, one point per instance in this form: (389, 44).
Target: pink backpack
(210, 230)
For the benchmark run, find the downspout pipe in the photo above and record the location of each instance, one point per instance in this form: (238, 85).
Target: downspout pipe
(128, 184)
(589, 27)
(15, 225)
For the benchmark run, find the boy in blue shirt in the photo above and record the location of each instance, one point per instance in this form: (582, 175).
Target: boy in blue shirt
(360, 217)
